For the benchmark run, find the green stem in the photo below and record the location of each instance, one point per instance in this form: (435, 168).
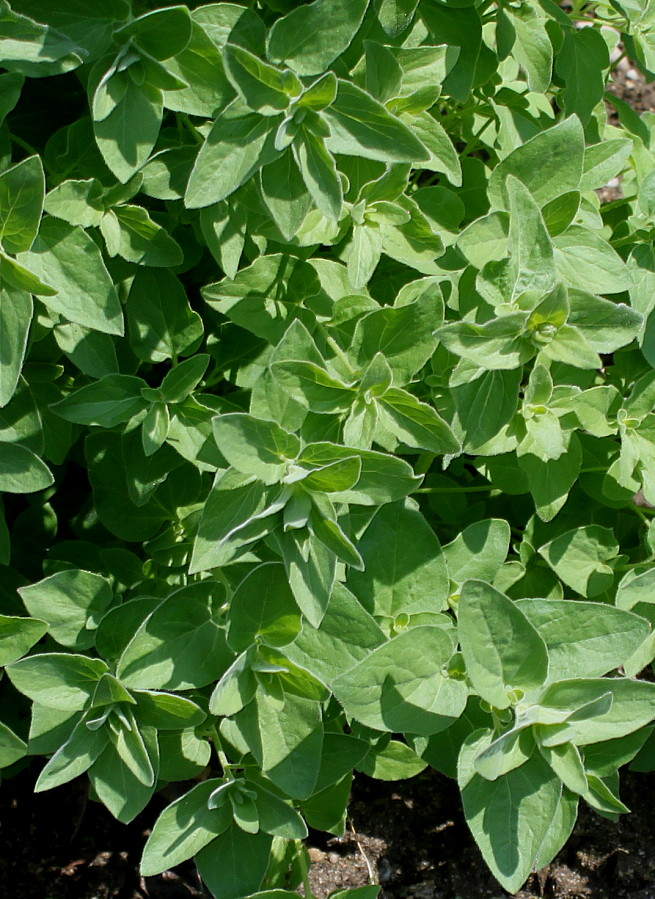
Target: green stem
(23, 143)
(482, 488)
(332, 343)
(638, 511)
(218, 746)
(184, 118)
(473, 143)
(630, 566)
(304, 869)
(642, 510)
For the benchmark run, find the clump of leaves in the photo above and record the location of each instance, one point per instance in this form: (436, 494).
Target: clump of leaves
(327, 419)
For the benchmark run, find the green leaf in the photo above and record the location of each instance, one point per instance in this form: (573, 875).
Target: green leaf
(502, 650)
(529, 243)
(311, 569)
(72, 603)
(319, 172)
(129, 743)
(345, 636)
(400, 578)
(17, 276)
(604, 161)
(549, 164)
(236, 512)
(183, 829)
(131, 233)
(383, 478)
(263, 609)
(485, 405)
(396, 15)
(166, 711)
(58, 680)
(403, 334)
(278, 818)
(285, 738)
(12, 748)
(582, 62)
(634, 589)
(511, 817)
(551, 481)
(115, 784)
(478, 552)
(395, 762)
(85, 293)
(285, 195)
(265, 297)
(588, 262)
(33, 49)
(88, 26)
(21, 471)
(584, 639)
(605, 325)
(18, 636)
(126, 137)
(173, 654)
(579, 557)
(325, 528)
(73, 758)
(499, 344)
(162, 33)
(311, 37)
(221, 863)
(182, 380)
(313, 387)
(506, 753)
(155, 428)
(108, 402)
(200, 65)
(401, 685)
(15, 318)
(631, 708)
(360, 126)
(262, 87)
(223, 227)
(416, 424)
(461, 28)
(532, 45)
(232, 152)
(22, 191)
(161, 323)
(254, 446)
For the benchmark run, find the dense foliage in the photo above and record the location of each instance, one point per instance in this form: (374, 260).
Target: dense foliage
(327, 438)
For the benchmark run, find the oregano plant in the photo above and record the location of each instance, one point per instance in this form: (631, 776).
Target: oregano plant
(327, 416)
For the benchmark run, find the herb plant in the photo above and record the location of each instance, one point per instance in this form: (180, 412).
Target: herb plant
(327, 430)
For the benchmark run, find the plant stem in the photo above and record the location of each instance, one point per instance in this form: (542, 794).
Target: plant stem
(481, 488)
(218, 746)
(304, 868)
(23, 143)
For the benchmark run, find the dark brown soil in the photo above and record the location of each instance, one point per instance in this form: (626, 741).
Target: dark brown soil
(410, 837)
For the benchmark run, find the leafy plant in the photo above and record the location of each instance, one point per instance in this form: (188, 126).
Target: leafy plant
(326, 415)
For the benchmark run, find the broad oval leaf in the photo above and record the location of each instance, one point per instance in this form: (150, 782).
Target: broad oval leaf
(502, 650)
